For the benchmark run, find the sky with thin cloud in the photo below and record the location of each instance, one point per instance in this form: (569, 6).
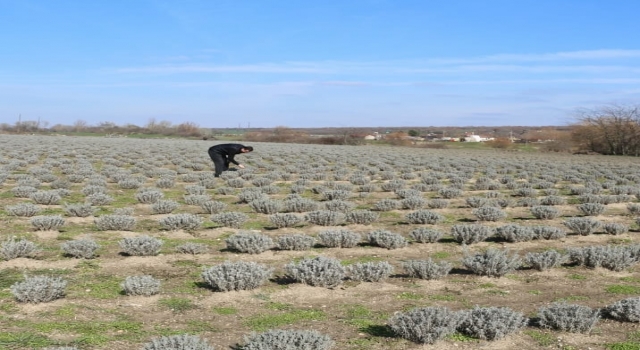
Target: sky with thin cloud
(360, 63)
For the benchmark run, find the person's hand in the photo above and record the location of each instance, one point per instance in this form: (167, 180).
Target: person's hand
(240, 166)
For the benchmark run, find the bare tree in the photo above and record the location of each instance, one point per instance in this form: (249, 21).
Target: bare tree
(611, 129)
(80, 125)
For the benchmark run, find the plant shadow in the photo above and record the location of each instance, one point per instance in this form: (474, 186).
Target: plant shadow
(378, 331)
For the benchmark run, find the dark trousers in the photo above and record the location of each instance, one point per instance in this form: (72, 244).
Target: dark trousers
(220, 162)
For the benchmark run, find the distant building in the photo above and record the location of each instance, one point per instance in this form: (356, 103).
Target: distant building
(476, 138)
(375, 136)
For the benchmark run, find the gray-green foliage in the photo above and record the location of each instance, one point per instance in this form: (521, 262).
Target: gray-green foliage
(359, 180)
(79, 210)
(591, 209)
(515, 233)
(145, 285)
(335, 194)
(46, 197)
(427, 269)
(99, 199)
(281, 220)
(492, 263)
(182, 221)
(251, 194)
(582, 225)
(568, 317)
(339, 238)
(300, 205)
(413, 202)
(94, 189)
(266, 205)
(386, 239)
(552, 200)
(149, 195)
(325, 217)
(115, 222)
(369, 271)
(249, 242)
(165, 182)
(489, 213)
(600, 199)
(39, 289)
(164, 206)
(386, 204)
(425, 325)
(491, 323)
(470, 233)
(424, 216)
(213, 207)
(178, 342)
(232, 219)
(192, 248)
(196, 199)
(130, 183)
(524, 192)
(627, 310)
(612, 257)
(195, 189)
(450, 192)
(438, 203)
(338, 205)
(239, 275)
(393, 185)
(23, 248)
(143, 245)
(23, 191)
(545, 260)
(295, 242)
(261, 181)
(319, 271)
(477, 201)
(408, 193)
(126, 211)
(80, 248)
(60, 183)
(615, 228)
(236, 182)
(189, 177)
(362, 217)
(527, 202)
(47, 222)
(545, 212)
(23, 209)
(425, 235)
(277, 339)
(633, 208)
(224, 190)
(548, 232)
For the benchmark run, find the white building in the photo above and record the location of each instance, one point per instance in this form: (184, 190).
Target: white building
(476, 138)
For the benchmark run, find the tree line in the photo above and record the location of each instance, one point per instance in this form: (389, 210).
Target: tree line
(609, 130)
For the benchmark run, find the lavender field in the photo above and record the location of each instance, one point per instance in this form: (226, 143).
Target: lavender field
(118, 243)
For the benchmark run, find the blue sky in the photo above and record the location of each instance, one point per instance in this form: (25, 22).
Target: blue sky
(316, 64)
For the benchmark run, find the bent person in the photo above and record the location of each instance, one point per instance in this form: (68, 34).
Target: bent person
(223, 154)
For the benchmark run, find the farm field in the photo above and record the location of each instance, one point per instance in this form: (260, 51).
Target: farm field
(400, 205)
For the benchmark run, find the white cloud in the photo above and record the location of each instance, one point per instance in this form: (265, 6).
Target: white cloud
(246, 68)
(588, 62)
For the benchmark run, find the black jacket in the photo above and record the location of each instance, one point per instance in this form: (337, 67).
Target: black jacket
(227, 150)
